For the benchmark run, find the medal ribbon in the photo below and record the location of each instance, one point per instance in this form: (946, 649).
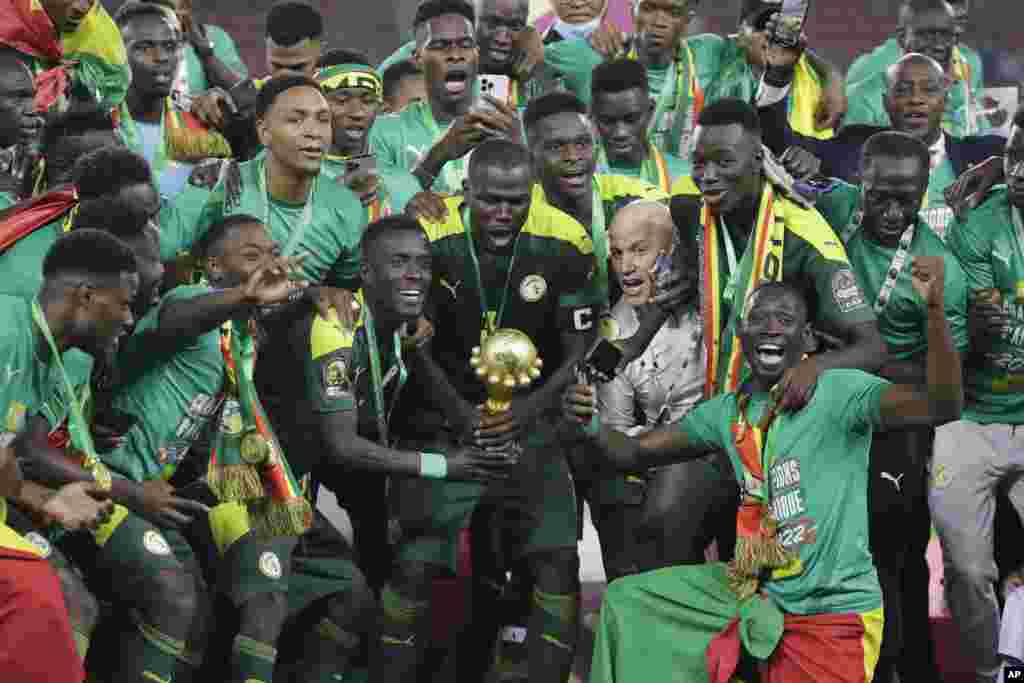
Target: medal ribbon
(78, 428)
(767, 240)
(250, 467)
(376, 377)
(896, 265)
(294, 236)
(599, 236)
(962, 70)
(653, 169)
(681, 93)
(491, 318)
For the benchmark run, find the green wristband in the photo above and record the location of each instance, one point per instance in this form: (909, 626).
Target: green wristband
(433, 465)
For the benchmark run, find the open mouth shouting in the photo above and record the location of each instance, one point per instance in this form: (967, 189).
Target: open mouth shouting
(770, 356)
(574, 182)
(456, 82)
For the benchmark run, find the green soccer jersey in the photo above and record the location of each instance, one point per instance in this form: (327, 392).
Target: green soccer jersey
(398, 185)
(813, 258)
(326, 229)
(903, 321)
(651, 172)
(935, 211)
(21, 265)
(672, 87)
(890, 52)
(990, 247)
(30, 377)
(816, 483)
(402, 140)
(172, 396)
(338, 373)
(541, 289)
(224, 49)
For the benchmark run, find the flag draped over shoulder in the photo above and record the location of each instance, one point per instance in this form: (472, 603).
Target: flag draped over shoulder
(93, 54)
(27, 216)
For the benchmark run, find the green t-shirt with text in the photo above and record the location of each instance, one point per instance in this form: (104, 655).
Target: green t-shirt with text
(399, 186)
(172, 395)
(816, 483)
(402, 140)
(990, 249)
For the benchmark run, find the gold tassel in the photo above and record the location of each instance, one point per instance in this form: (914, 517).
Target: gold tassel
(235, 482)
(754, 556)
(191, 145)
(271, 518)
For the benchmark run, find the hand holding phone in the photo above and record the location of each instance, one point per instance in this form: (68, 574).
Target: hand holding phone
(496, 86)
(788, 27)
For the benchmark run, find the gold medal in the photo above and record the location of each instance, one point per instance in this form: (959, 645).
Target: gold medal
(254, 448)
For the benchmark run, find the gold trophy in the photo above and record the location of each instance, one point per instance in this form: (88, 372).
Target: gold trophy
(505, 361)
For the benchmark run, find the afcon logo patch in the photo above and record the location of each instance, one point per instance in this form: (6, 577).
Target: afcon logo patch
(846, 292)
(533, 288)
(41, 544)
(155, 543)
(270, 565)
(335, 378)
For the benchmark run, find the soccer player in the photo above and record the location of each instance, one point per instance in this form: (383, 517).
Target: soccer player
(152, 123)
(623, 113)
(930, 28)
(510, 262)
(916, 99)
(210, 59)
(883, 232)
(20, 129)
(802, 587)
(89, 282)
(355, 94)
(430, 139)
(975, 455)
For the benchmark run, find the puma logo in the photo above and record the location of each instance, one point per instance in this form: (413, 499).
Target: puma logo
(390, 640)
(355, 376)
(895, 480)
(451, 288)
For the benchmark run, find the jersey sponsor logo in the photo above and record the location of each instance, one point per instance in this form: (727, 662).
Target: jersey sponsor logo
(270, 565)
(335, 378)
(895, 479)
(533, 288)
(846, 292)
(155, 543)
(16, 416)
(451, 288)
(583, 319)
(41, 544)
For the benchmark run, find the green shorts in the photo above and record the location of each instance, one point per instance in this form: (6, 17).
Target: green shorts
(317, 564)
(117, 559)
(535, 511)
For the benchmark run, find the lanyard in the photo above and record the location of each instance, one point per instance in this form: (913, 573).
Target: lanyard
(491, 318)
(653, 169)
(78, 423)
(376, 376)
(730, 255)
(670, 98)
(899, 259)
(295, 236)
(599, 236)
(453, 170)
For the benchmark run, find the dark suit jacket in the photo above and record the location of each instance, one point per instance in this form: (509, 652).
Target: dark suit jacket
(840, 156)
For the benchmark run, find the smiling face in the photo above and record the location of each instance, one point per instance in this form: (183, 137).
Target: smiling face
(499, 204)
(774, 333)
(498, 25)
(353, 111)
(447, 53)
(19, 121)
(241, 251)
(577, 11)
(916, 99)
(66, 15)
(931, 33)
(397, 274)
(622, 119)
(661, 24)
(297, 129)
(562, 148)
(154, 53)
(894, 189)
(727, 166)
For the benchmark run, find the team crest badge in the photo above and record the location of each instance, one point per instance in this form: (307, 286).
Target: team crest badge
(41, 544)
(533, 288)
(155, 543)
(270, 565)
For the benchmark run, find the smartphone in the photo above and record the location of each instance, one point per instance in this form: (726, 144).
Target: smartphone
(601, 362)
(365, 165)
(789, 24)
(493, 85)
